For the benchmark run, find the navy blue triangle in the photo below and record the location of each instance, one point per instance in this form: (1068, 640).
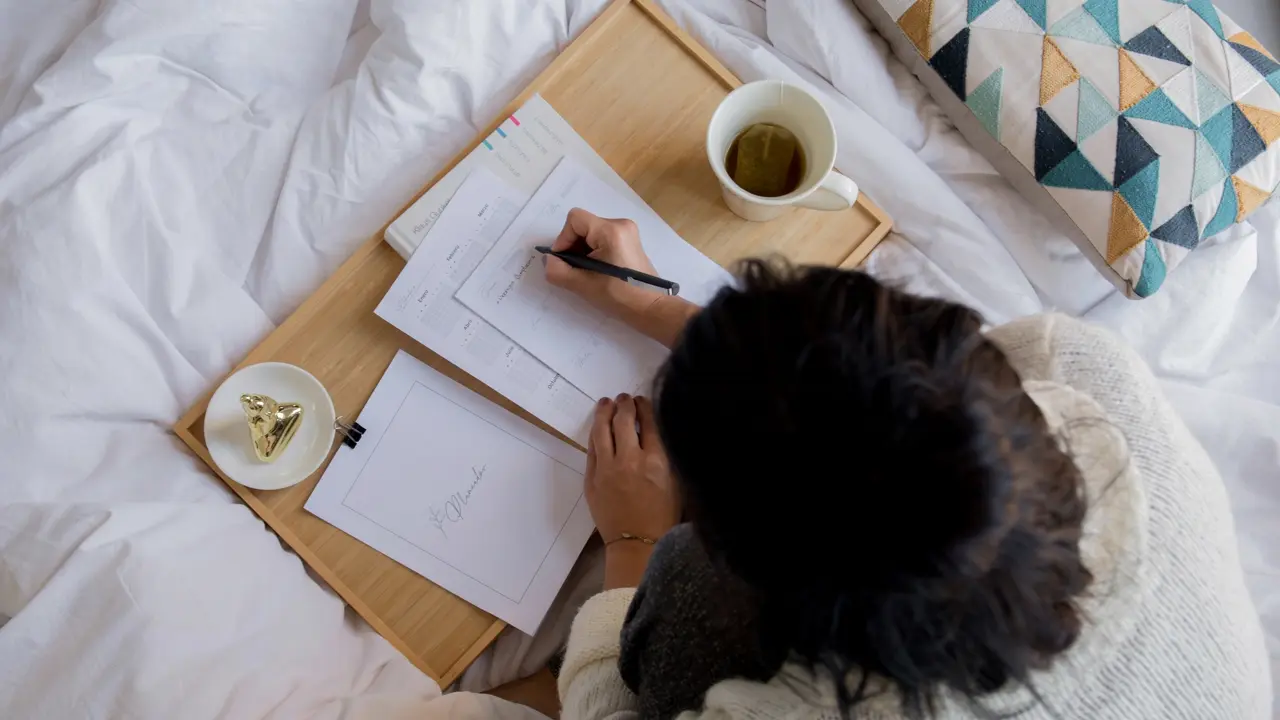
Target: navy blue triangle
(1264, 64)
(1133, 153)
(952, 60)
(1180, 229)
(1246, 144)
(1052, 144)
(1153, 42)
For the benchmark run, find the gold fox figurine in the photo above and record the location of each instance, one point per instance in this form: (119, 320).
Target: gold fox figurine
(272, 425)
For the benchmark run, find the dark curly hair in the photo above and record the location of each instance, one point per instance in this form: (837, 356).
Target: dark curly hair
(870, 464)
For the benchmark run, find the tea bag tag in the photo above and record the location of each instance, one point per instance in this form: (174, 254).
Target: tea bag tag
(765, 154)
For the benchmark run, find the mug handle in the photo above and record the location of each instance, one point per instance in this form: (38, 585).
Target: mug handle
(836, 192)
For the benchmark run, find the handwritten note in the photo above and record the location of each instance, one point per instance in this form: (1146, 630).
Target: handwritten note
(460, 491)
(421, 304)
(596, 353)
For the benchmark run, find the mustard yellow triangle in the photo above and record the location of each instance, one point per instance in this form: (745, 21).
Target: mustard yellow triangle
(1244, 38)
(1056, 71)
(1266, 122)
(917, 22)
(1126, 229)
(1134, 84)
(1248, 197)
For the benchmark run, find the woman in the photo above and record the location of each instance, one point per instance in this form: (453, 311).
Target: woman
(892, 514)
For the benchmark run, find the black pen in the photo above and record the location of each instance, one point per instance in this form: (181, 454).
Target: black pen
(587, 263)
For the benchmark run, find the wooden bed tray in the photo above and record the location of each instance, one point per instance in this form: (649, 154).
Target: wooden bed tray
(641, 92)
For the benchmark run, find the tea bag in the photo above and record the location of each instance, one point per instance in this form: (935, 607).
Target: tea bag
(765, 154)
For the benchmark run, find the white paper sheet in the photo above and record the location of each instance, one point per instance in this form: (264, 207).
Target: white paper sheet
(522, 151)
(593, 351)
(421, 304)
(461, 492)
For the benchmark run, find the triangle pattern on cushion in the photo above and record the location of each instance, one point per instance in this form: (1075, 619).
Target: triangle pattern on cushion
(1243, 75)
(1248, 197)
(1181, 90)
(1035, 9)
(1133, 152)
(1209, 171)
(984, 101)
(1056, 71)
(1080, 25)
(951, 62)
(1266, 122)
(1134, 84)
(1107, 14)
(1153, 42)
(1246, 144)
(917, 25)
(1157, 107)
(1153, 272)
(1218, 130)
(1226, 214)
(1249, 41)
(1100, 149)
(1180, 230)
(977, 7)
(1157, 70)
(1052, 144)
(1075, 171)
(1140, 192)
(1138, 15)
(1206, 11)
(1209, 97)
(1260, 61)
(1094, 112)
(1126, 230)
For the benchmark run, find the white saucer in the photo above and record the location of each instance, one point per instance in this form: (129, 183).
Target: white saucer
(226, 432)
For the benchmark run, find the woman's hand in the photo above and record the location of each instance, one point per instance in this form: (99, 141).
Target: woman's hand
(628, 486)
(646, 309)
(613, 241)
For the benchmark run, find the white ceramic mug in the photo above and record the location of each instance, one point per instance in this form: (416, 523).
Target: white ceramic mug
(776, 102)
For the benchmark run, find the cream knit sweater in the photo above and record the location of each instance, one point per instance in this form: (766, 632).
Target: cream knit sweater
(1170, 629)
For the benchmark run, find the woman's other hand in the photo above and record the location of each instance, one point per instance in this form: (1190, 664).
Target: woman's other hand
(629, 487)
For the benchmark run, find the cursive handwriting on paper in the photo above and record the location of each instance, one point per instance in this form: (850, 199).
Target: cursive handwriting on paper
(453, 509)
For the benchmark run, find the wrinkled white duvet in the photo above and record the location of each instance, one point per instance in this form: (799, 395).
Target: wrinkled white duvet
(176, 175)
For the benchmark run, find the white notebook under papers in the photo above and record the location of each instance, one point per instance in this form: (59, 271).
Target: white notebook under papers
(461, 492)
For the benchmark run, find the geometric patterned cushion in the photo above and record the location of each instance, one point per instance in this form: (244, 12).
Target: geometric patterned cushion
(1151, 124)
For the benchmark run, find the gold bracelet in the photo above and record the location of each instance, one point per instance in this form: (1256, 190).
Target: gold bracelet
(629, 536)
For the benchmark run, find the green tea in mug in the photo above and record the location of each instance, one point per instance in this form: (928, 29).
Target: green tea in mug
(765, 160)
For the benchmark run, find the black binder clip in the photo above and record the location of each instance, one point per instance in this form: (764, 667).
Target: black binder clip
(351, 433)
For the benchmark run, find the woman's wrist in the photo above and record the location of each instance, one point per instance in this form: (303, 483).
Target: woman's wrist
(651, 312)
(625, 563)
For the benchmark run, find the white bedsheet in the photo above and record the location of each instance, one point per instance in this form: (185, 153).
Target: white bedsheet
(175, 175)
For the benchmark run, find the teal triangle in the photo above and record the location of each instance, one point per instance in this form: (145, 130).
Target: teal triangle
(984, 101)
(977, 7)
(1094, 111)
(1157, 107)
(1140, 192)
(1153, 271)
(1208, 169)
(1107, 15)
(1274, 79)
(1080, 25)
(1206, 11)
(1209, 97)
(1036, 10)
(1226, 215)
(1075, 171)
(1218, 131)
